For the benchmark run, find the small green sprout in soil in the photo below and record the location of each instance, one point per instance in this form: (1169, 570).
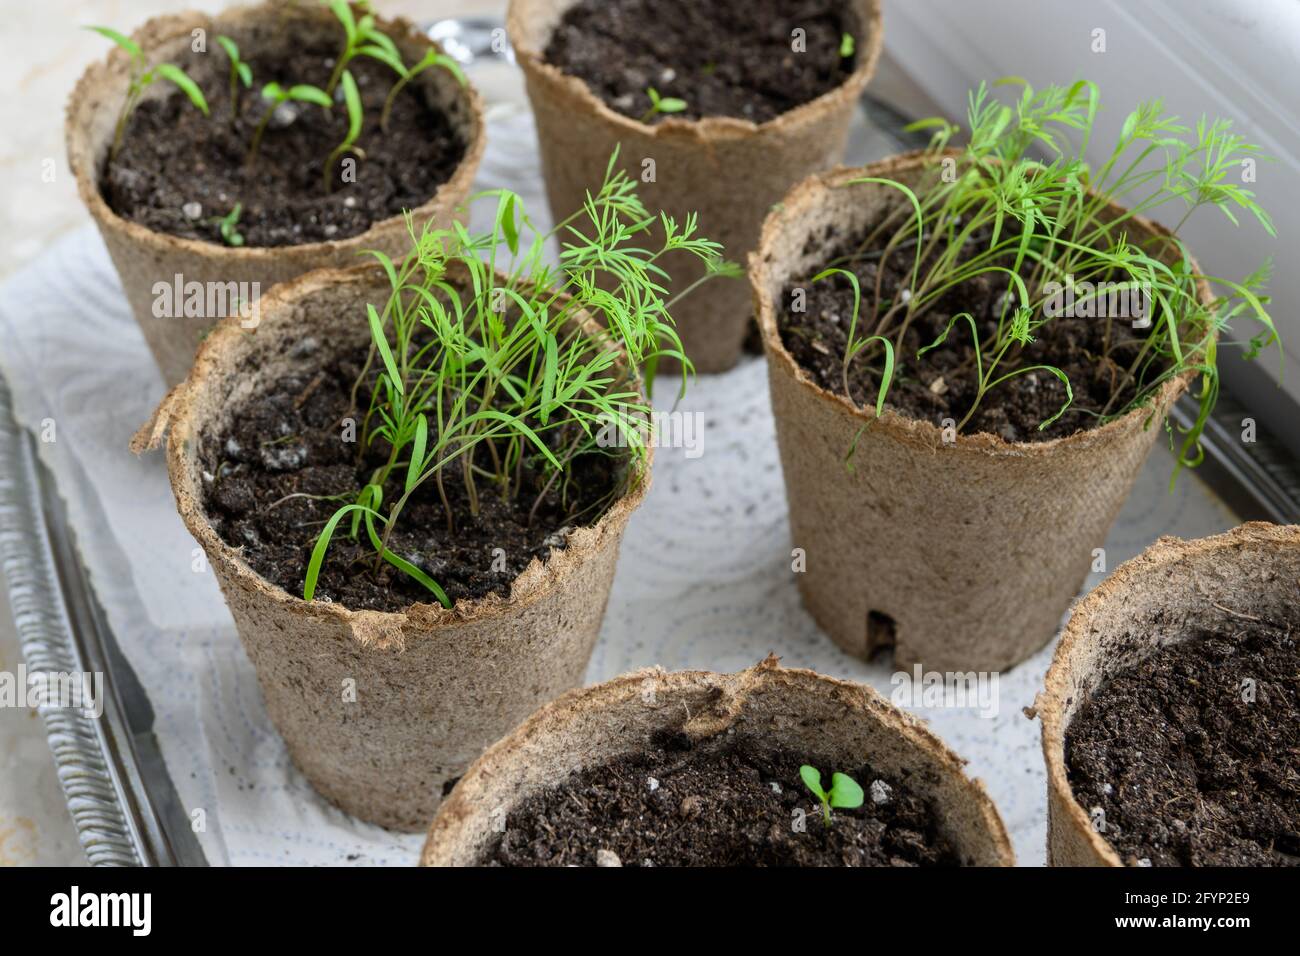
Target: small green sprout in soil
(431, 59)
(240, 73)
(844, 792)
(473, 382)
(352, 100)
(276, 96)
(142, 77)
(229, 226)
(846, 46)
(661, 104)
(993, 214)
(361, 38)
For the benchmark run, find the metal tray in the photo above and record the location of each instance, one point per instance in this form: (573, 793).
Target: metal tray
(122, 800)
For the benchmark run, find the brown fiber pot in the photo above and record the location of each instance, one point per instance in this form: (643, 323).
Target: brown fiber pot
(767, 705)
(974, 548)
(144, 257)
(433, 686)
(729, 171)
(1170, 588)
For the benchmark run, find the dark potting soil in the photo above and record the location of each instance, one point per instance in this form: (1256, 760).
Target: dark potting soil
(944, 383)
(289, 445)
(1188, 770)
(722, 58)
(180, 172)
(680, 804)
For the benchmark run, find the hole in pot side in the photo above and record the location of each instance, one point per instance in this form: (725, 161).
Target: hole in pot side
(706, 59)
(281, 468)
(180, 172)
(882, 634)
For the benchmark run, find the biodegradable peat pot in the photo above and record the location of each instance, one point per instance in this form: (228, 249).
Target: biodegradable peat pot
(767, 706)
(1146, 605)
(974, 548)
(433, 686)
(144, 257)
(729, 171)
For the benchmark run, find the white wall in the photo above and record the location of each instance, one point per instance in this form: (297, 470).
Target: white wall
(1236, 60)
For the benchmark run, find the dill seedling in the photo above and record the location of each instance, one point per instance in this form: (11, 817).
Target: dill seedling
(240, 72)
(431, 59)
(487, 364)
(846, 46)
(361, 38)
(142, 77)
(1034, 225)
(352, 100)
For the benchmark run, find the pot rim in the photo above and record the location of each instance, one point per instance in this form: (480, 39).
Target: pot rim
(110, 71)
(708, 128)
(178, 415)
(569, 710)
(1050, 703)
(917, 431)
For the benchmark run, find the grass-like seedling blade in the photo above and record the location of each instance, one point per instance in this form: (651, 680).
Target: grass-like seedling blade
(385, 353)
(322, 546)
(416, 466)
(406, 567)
(306, 93)
(122, 40)
(175, 74)
(240, 72)
(356, 116)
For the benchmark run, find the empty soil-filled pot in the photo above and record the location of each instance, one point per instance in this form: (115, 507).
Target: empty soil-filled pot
(197, 224)
(751, 99)
(958, 550)
(1171, 713)
(383, 696)
(704, 769)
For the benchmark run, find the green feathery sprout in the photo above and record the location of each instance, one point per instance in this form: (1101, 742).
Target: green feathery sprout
(1034, 227)
(240, 72)
(846, 46)
(142, 77)
(486, 360)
